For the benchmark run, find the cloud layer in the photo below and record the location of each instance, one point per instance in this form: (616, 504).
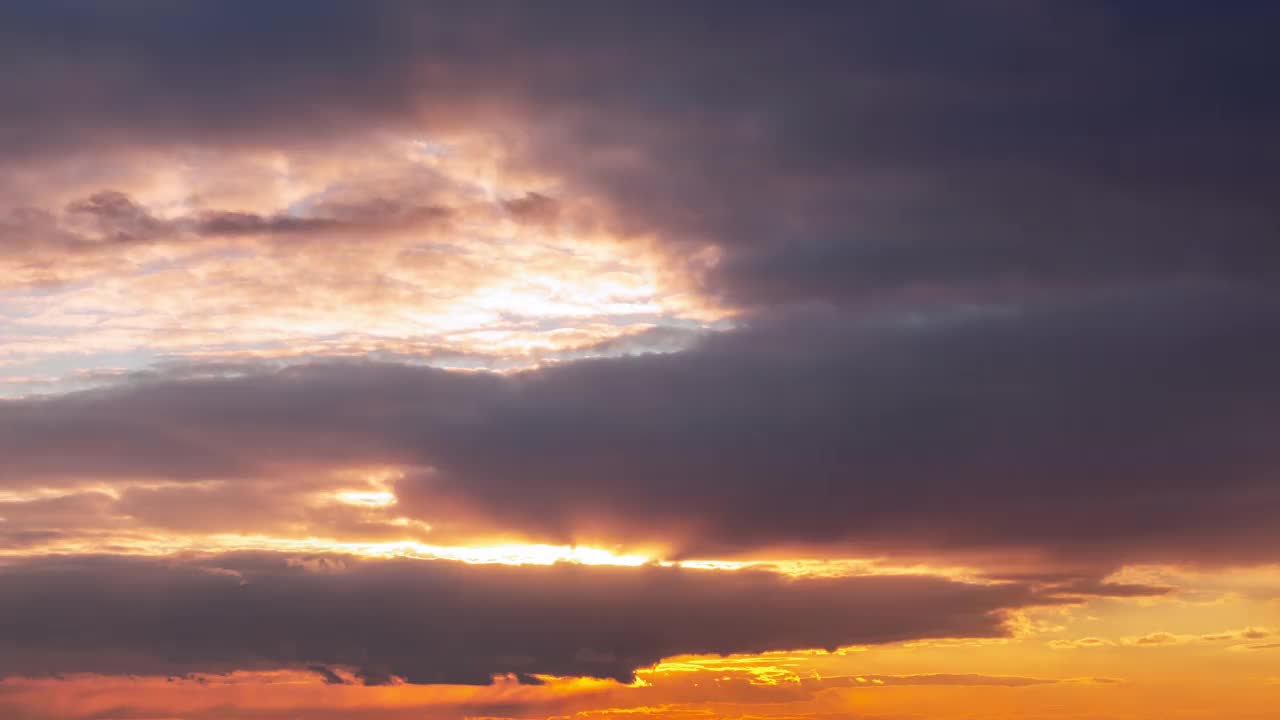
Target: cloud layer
(1141, 418)
(440, 622)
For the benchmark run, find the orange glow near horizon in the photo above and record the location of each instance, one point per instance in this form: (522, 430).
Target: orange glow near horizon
(1015, 680)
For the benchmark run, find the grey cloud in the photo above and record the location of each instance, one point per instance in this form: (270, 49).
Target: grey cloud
(1060, 215)
(329, 676)
(440, 622)
(835, 152)
(533, 208)
(325, 219)
(1139, 417)
(97, 226)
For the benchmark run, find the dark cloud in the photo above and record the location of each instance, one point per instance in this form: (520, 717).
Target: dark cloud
(948, 430)
(1127, 427)
(533, 208)
(329, 676)
(324, 219)
(117, 217)
(1040, 237)
(206, 698)
(440, 622)
(142, 73)
(834, 151)
(105, 222)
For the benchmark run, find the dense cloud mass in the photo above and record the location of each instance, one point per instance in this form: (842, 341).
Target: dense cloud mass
(838, 152)
(437, 622)
(1143, 418)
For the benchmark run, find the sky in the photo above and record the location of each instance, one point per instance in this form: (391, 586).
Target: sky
(627, 360)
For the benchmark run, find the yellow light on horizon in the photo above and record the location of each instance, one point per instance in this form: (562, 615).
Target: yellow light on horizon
(510, 553)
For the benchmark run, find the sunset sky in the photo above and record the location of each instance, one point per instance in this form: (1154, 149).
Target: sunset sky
(622, 360)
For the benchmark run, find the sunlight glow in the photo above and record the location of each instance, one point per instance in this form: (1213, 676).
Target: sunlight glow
(494, 554)
(505, 554)
(366, 498)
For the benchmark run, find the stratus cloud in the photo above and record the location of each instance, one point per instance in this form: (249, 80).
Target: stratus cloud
(1136, 415)
(278, 694)
(442, 622)
(109, 225)
(270, 695)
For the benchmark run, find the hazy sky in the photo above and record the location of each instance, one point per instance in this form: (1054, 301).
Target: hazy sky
(901, 360)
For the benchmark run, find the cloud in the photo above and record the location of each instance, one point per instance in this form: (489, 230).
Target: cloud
(966, 679)
(953, 432)
(1250, 633)
(324, 259)
(275, 695)
(1085, 586)
(1157, 638)
(837, 160)
(442, 622)
(115, 218)
(1161, 639)
(1085, 642)
(329, 676)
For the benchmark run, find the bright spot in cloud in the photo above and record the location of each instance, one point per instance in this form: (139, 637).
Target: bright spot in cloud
(367, 498)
